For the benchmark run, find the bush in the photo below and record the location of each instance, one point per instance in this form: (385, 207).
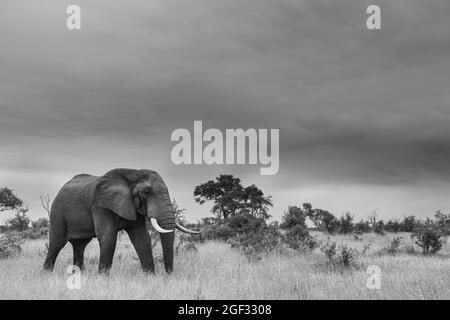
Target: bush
(245, 224)
(393, 225)
(10, 244)
(345, 223)
(393, 247)
(20, 221)
(408, 224)
(443, 222)
(256, 244)
(295, 216)
(362, 227)
(40, 223)
(298, 238)
(217, 232)
(185, 242)
(324, 221)
(429, 238)
(35, 233)
(339, 257)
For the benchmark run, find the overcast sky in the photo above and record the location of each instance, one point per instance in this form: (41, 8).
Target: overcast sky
(364, 116)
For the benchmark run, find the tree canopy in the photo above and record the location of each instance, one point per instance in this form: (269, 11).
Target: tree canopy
(230, 198)
(8, 200)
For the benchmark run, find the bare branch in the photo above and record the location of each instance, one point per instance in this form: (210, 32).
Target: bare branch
(45, 202)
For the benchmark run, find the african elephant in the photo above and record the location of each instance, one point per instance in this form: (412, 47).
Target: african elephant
(89, 206)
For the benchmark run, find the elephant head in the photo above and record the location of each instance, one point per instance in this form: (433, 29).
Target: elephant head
(129, 192)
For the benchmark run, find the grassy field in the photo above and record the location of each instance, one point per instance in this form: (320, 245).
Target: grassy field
(216, 271)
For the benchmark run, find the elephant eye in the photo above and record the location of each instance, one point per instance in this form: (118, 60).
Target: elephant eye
(147, 191)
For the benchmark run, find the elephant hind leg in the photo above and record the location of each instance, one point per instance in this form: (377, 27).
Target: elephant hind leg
(78, 246)
(53, 250)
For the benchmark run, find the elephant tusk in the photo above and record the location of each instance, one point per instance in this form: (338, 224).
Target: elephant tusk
(181, 228)
(157, 227)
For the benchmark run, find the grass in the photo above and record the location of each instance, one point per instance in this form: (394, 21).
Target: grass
(216, 271)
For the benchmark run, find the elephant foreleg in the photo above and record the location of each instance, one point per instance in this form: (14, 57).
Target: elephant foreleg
(107, 242)
(141, 241)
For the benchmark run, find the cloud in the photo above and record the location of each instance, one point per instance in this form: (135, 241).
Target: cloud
(354, 107)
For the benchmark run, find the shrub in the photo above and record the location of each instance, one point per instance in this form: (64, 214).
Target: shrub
(10, 244)
(35, 233)
(297, 235)
(298, 238)
(443, 222)
(345, 223)
(429, 238)
(256, 244)
(339, 257)
(185, 242)
(295, 216)
(346, 255)
(378, 227)
(20, 221)
(393, 225)
(40, 223)
(361, 227)
(408, 224)
(245, 223)
(217, 232)
(393, 247)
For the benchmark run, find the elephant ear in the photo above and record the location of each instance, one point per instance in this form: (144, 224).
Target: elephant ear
(113, 192)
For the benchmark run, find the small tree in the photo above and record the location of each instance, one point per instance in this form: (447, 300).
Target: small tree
(345, 223)
(225, 193)
(322, 219)
(20, 221)
(429, 238)
(230, 198)
(297, 235)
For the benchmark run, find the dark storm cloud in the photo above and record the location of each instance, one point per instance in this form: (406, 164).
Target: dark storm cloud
(353, 106)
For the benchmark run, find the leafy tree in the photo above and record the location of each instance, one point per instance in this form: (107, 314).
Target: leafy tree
(294, 217)
(255, 203)
(230, 198)
(297, 235)
(225, 193)
(322, 219)
(8, 200)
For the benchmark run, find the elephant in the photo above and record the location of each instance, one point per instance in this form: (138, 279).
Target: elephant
(90, 206)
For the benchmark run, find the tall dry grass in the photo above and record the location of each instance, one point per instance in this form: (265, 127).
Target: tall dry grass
(216, 271)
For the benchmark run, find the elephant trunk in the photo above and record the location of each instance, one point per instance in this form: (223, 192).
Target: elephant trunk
(167, 242)
(167, 221)
(165, 224)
